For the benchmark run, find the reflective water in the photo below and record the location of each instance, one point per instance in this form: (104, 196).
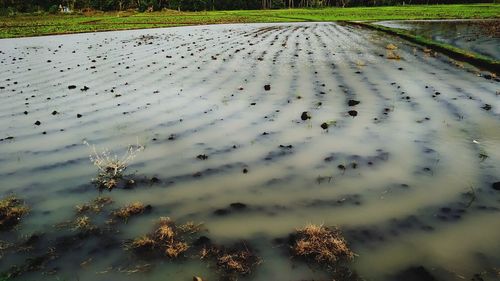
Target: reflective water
(479, 36)
(412, 188)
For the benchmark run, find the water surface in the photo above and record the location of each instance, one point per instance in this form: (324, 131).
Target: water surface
(413, 190)
(479, 36)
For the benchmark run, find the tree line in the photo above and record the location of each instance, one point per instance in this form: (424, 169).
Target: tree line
(27, 6)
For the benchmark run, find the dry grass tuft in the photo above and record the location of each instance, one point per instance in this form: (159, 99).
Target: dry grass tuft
(83, 224)
(391, 47)
(360, 63)
(168, 239)
(143, 243)
(238, 260)
(392, 55)
(12, 210)
(175, 249)
(133, 209)
(320, 244)
(95, 206)
(111, 167)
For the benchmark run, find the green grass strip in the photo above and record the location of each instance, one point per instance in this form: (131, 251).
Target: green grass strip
(23, 25)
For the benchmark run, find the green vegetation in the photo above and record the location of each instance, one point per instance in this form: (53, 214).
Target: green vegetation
(54, 6)
(45, 24)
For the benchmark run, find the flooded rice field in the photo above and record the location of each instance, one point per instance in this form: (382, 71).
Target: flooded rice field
(254, 131)
(479, 36)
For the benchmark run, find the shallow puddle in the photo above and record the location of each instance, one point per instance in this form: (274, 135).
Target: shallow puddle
(479, 36)
(401, 154)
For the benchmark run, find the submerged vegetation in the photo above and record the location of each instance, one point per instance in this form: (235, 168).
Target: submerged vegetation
(320, 244)
(167, 239)
(95, 206)
(231, 262)
(84, 224)
(132, 209)
(12, 209)
(174, 241)
(323, 247)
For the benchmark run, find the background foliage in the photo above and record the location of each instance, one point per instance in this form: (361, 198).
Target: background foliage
(33, 6)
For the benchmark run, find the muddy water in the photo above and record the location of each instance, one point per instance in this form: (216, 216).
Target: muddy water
(479, 36)
(404, 178)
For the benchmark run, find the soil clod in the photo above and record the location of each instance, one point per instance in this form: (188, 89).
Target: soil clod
(353, 102)
(305, 115)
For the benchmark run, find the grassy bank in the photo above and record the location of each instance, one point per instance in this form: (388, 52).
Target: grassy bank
(36, 25)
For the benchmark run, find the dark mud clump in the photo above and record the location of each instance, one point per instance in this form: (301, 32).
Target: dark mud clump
(154, 180)
(238, 206)
(356, 161)
(496, 185)
(450, 214)
(12, 210)
(284, 150)
(324, 126)
(353, 102)
(71, 87)
(366, 235)
(414, 273)
(202, 157)
(486, 107)
(305, 115)
(233, 207)
(267, 87)
(221, 212)
(353, 113)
